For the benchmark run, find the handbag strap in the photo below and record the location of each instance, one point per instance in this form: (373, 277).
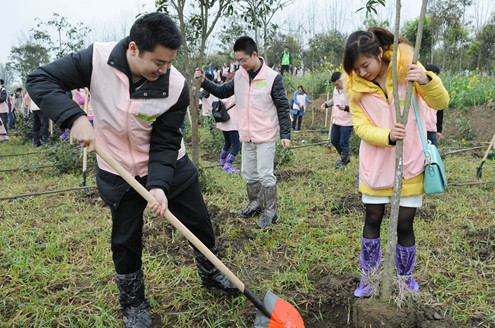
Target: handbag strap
(421, 134)
(230, 107)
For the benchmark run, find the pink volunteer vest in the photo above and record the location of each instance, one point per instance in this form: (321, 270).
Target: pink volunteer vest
(257, 119)
(118, 129)
(377, 164)
(340, 117)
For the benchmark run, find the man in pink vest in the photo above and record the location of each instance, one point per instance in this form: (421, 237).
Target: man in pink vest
(263, 112)
(139, 101)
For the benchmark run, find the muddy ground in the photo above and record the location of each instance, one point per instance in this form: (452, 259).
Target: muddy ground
(333, 299)
(332, 304)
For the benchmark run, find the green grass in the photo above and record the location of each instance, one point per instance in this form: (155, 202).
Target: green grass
(56, 267)
(472, 89)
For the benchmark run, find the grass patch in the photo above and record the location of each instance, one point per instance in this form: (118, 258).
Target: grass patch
(56, 267)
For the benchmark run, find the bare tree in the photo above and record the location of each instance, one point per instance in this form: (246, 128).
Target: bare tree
(70, 38)
(259, 15)
(386, 286)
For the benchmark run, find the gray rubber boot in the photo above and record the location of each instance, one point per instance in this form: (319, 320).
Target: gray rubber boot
(269, 196)
(254, 205)
(135, 306)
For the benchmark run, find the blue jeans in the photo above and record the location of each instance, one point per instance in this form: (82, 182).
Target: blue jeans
(231, 142)
(12, 119)
(339, 137)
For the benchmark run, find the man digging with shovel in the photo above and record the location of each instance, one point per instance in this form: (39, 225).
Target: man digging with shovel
(139, 101)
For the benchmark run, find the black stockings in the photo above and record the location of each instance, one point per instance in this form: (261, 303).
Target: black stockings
(373, 221)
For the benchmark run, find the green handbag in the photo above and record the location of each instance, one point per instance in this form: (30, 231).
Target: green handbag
(435, 179)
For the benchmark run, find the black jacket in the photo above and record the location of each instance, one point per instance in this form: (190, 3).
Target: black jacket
(48, 86)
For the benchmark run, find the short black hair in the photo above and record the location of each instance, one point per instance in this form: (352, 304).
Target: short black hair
(154, 29)
(2, 81)
(245, 44)
(335, 76)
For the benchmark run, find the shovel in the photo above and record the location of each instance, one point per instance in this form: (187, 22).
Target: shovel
(479, 170)
(85, 149)
(273, 312)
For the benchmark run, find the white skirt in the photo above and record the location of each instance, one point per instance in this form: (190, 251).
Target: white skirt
(413, 201)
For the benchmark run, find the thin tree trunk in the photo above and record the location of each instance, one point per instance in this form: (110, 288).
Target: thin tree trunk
(388, 277)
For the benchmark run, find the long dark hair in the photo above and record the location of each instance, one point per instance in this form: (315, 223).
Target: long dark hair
(367, 43)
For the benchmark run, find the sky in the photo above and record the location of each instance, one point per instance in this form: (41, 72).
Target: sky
(111, 19)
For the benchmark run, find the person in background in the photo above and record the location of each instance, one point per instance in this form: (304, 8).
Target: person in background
(210, 72)
(26, 103)
(285, 61)
(231, 144)
(79, 96)
(225, 72)
(140, 102)
(341, 121)
(217, 75)
(40, 123)
(368, 65)
(4, 106)
(434, 118)
(263, 112)
(300, 99)
(12, 110)
(18, 103)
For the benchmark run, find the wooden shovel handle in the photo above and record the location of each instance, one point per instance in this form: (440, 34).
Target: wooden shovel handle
(171, 218)
(490, 146)
(85, 149)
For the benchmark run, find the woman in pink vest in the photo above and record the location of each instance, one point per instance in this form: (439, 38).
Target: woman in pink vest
(367, 62)
(341, 121)
(299, 101)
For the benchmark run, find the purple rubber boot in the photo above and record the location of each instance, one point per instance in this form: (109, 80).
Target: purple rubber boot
(223, 156)
(228, 165)
(369, 260)
(405, 260)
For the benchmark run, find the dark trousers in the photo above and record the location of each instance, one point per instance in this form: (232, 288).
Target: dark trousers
(340, 136)
(432, 136)
(297, 120)
(284, 68)
(40, 126)
(127, 207)
(231, 142)
(12, 120)
(5, 120)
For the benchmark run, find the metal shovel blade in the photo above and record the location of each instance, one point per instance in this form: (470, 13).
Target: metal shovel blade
(479, 170)
(283, 314)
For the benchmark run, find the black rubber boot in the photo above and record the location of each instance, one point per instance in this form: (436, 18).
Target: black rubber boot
(211, 277)
(135, 306)
(269, 196)
(254, 206)
(346, 158)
